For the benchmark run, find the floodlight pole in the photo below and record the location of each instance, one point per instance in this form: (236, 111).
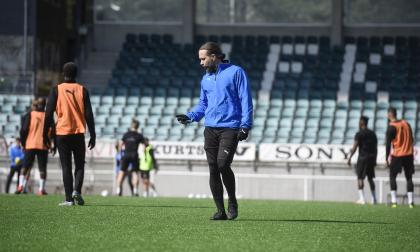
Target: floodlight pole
(25, 36)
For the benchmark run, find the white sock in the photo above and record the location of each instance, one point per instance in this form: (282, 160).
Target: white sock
(118, 190)
(373, 196)
(393, 197)
(410, 197)
(361, 195)
(135, 190)
(21, 180)
(42, 185)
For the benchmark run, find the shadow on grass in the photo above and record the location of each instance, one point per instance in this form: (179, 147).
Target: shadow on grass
(316, 221)
(143, 206)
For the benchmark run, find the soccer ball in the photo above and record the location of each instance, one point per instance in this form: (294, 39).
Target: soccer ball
(104, 193)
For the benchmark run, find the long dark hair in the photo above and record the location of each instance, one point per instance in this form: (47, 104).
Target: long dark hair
(213, 48)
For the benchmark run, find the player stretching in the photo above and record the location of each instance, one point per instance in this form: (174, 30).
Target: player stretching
(400, 136)
(147, 163)
(16, 156)
(367, 143)
(31, 135)
(131, 141)
(226, 103)
(71, 102)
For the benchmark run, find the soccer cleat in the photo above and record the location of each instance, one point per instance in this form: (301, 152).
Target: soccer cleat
(41, 193)
(219, 215)
(411, 205)
(374, 202)
(394, 205)
(78, 198)
(19, 190)
(360, 202)
(232, 210)
(66, 204)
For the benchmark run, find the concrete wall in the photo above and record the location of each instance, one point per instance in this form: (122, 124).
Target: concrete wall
(268, 181)
(110, 36)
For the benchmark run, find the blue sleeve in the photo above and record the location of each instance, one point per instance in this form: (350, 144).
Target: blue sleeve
(199, 110)
(245, 98)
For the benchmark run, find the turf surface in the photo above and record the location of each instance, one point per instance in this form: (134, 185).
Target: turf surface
(30, 223)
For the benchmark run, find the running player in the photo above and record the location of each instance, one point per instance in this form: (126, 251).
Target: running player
(16, 156)
(226, 103)
(31, 134)
(71, 102)
(400, 136)
(147, 164)
(131, 141)
(367, 143)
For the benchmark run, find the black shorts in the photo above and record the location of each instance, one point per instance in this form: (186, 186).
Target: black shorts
(365, 167)
(144, 174)
(398, 163)
(42, 157)
(130, 159)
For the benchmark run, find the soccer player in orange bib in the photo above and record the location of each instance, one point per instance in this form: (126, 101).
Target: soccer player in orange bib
(31, 135)
(70, 100)
(400, 136)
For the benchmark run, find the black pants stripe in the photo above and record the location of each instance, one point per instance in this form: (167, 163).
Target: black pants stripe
(220, 145)
(67, 146)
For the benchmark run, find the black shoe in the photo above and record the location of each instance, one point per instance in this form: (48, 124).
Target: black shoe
(232, 210)
(219, 215)
(78, 198)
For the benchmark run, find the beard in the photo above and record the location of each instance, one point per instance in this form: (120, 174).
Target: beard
(211, 67)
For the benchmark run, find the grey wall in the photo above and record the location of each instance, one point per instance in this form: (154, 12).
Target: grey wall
(178, 179)
(109, 37)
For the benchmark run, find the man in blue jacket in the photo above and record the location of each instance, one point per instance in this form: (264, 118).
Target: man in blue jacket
(226, 104)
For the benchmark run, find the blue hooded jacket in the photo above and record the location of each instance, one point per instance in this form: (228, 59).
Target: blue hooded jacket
(225, 99)
(15, 152)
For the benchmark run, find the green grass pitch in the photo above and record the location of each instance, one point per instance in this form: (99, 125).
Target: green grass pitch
(30, 223)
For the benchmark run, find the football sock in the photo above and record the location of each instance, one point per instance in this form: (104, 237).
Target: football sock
(21, 180)
(42, 185)
(393, 197)
(118, 190)
(361, 195)
(410, 197)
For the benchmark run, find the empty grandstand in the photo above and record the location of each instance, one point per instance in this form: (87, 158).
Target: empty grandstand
(313, 70)
(304, 89)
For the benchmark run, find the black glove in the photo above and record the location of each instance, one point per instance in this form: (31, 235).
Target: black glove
(92, 143)
(243, 134)
(53, 150)
(184, 119)
(46, 141)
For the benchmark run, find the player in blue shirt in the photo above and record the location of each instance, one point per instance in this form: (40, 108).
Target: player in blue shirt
(226, 104)
(16, 156)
